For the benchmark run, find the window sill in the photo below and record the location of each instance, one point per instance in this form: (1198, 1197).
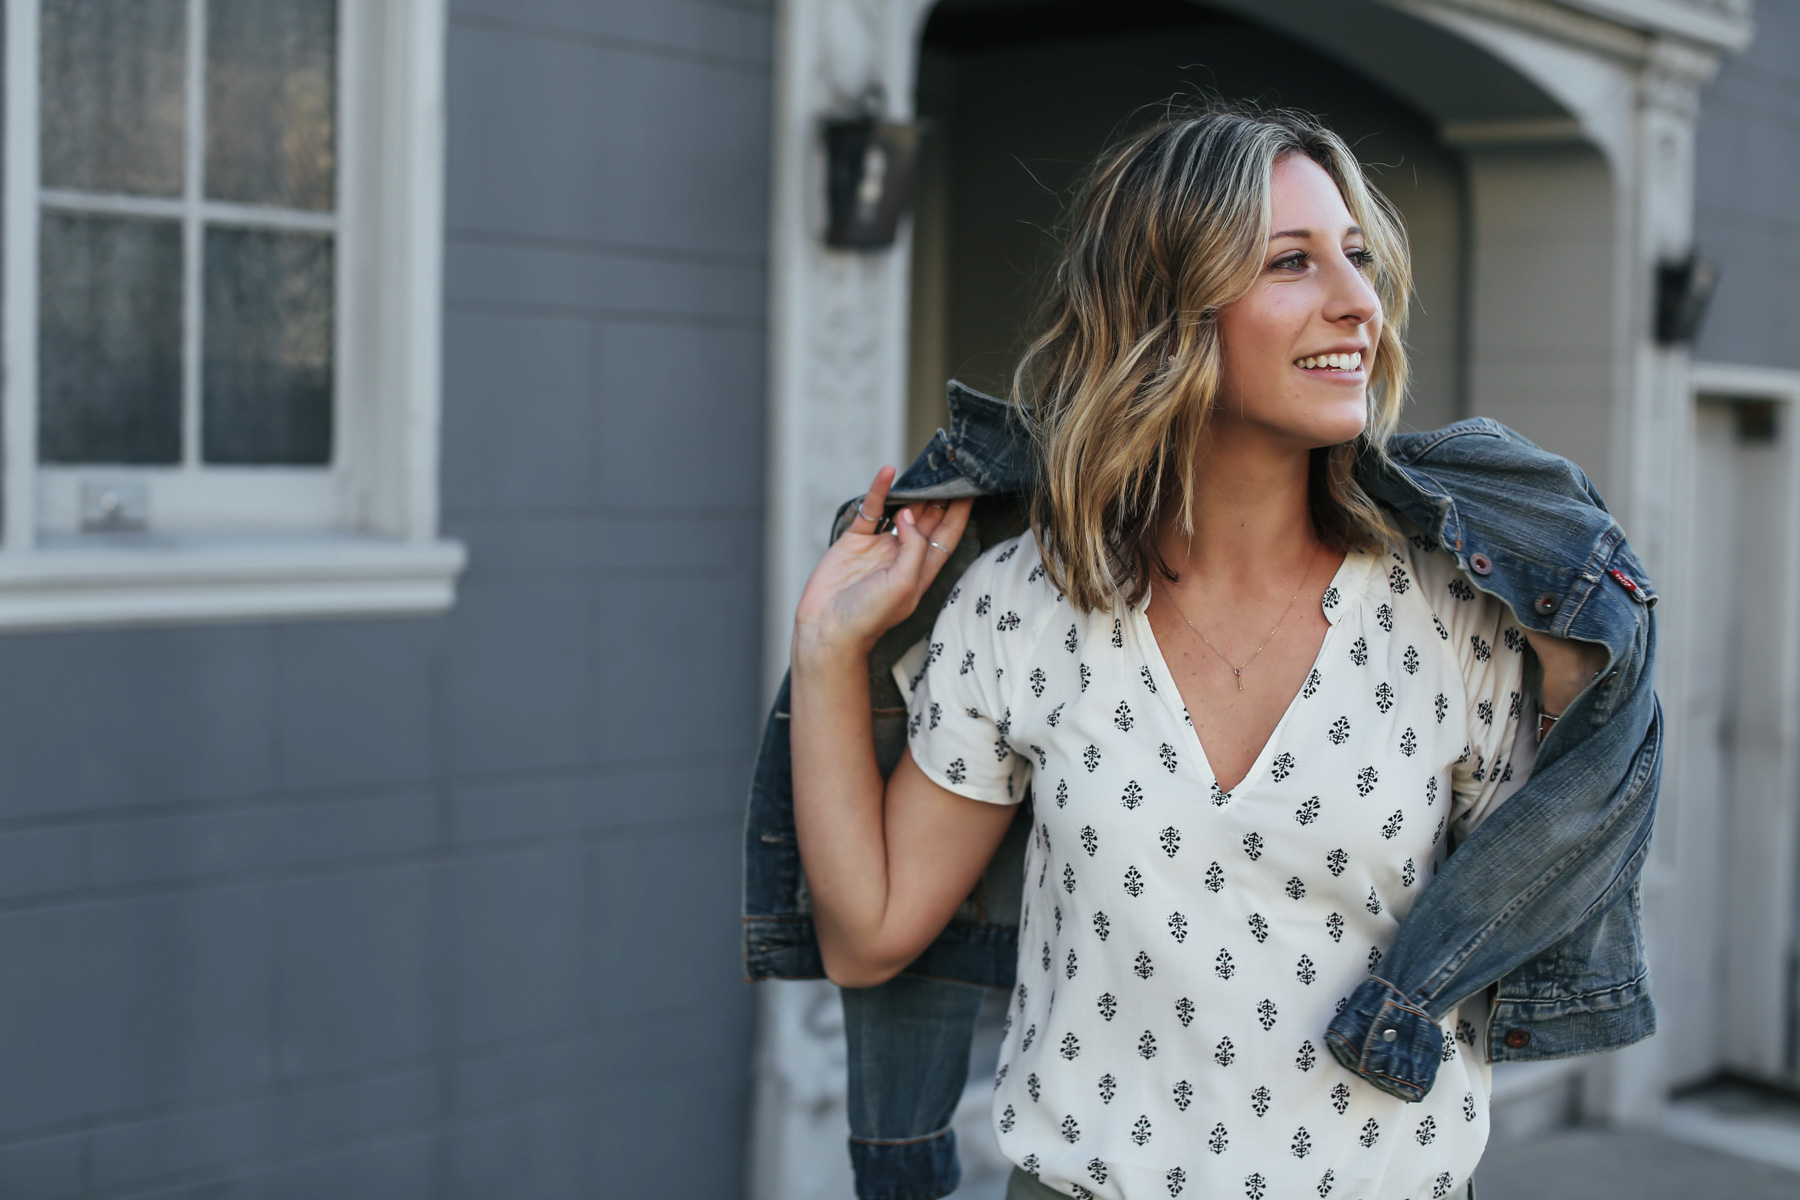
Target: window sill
(145, 579)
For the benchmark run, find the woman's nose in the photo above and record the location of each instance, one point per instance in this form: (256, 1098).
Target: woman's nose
(1352, 295)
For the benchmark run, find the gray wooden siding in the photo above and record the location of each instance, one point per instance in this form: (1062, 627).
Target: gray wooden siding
(1747, 168)
(447, 907)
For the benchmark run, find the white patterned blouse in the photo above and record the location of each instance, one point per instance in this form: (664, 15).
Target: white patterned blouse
(1182, 948)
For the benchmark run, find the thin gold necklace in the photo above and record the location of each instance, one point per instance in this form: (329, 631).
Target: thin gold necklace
(1239, 670)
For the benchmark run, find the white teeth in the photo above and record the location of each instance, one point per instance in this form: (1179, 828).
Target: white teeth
(1331, 362)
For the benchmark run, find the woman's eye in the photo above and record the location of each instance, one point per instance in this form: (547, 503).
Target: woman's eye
(1290, 262)
(1362, 258)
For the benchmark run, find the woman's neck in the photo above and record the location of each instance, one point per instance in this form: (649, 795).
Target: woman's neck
(1252, 515)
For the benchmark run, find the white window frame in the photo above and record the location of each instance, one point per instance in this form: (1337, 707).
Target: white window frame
(357, 538)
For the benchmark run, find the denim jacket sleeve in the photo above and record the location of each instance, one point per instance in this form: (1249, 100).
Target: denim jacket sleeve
(1542, 898)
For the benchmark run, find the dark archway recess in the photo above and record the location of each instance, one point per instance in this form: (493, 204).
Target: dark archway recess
(1022, 94)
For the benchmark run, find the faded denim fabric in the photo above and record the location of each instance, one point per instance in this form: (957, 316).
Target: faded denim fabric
(1542, 906)
(927, 1025)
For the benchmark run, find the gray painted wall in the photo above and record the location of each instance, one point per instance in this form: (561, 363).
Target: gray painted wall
(447, 907)
(1747, 214)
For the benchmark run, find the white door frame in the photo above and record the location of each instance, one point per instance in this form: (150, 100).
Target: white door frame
(1761, 865)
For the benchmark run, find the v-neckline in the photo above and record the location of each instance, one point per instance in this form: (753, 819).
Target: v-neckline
(1348, 581)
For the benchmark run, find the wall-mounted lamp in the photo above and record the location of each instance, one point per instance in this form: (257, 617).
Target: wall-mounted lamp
(869, 166)
(1684, 287)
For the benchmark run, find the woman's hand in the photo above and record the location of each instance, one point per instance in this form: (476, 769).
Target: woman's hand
(869, 582)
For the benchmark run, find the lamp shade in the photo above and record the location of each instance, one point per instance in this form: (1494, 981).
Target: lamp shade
(868, 180)
(1684, 287)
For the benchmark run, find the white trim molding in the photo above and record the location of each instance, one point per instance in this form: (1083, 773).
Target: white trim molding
(72, 584)
(1741, 382)
(356, 537)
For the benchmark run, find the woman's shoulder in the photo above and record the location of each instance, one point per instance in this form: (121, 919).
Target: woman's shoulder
(1013, 569)
(1465, 616)
(1006, 586)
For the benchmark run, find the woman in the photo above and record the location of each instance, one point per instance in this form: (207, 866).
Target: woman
(1253, 714)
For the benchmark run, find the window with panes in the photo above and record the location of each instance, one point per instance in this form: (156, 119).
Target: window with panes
(187, 246)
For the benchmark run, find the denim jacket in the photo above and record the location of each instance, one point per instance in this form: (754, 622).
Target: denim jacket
(1540, 903)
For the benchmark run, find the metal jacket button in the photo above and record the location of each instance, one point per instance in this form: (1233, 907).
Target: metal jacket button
(1518, 1039)
(1546, 603)
(1388, 1035)
(1481, 564)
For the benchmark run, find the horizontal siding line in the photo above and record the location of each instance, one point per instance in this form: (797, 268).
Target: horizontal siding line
(686, 573)
(443, 854)
(611, 513)
(500, 577)
(729, 759)
(524, 566)
(607, 573)
(453, 1058)
(430, 788)
(562, 34)
(756, 7)
(234, 1170)
(603, 315)
(647, 514)
(1742, 224)
(1741, 69)
(457, 235)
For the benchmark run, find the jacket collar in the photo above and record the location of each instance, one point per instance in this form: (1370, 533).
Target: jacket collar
(986, 450)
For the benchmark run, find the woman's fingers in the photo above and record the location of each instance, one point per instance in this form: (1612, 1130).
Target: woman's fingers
(869, 508)
(912, 549)
(928, 515)
(947, 530)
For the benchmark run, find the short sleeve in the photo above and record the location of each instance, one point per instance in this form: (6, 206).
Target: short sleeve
(962, 677)
(1489, 647)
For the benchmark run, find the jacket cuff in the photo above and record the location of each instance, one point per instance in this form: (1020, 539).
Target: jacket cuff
(1391, 1044)
(907, 1168)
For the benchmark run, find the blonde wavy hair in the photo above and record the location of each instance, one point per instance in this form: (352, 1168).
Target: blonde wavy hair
(1172, 225)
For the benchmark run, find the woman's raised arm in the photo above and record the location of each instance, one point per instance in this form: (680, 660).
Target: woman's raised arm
(886, 864)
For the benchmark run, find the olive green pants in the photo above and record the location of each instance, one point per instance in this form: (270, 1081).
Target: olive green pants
(1026, 1187)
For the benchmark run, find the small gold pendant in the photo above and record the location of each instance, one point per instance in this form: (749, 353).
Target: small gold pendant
(1239, 672)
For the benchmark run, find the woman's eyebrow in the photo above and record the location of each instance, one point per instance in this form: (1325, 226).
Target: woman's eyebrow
(1303, 234)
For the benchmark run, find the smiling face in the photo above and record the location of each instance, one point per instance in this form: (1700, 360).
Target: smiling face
(1300, 345)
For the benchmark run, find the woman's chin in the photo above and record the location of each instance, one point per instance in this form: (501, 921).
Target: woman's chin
(1332, 428)
(1309, 425)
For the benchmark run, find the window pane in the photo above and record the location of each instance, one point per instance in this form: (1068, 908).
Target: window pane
(266, 392)
(109, 340)
(271, 96)
(112, 95)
